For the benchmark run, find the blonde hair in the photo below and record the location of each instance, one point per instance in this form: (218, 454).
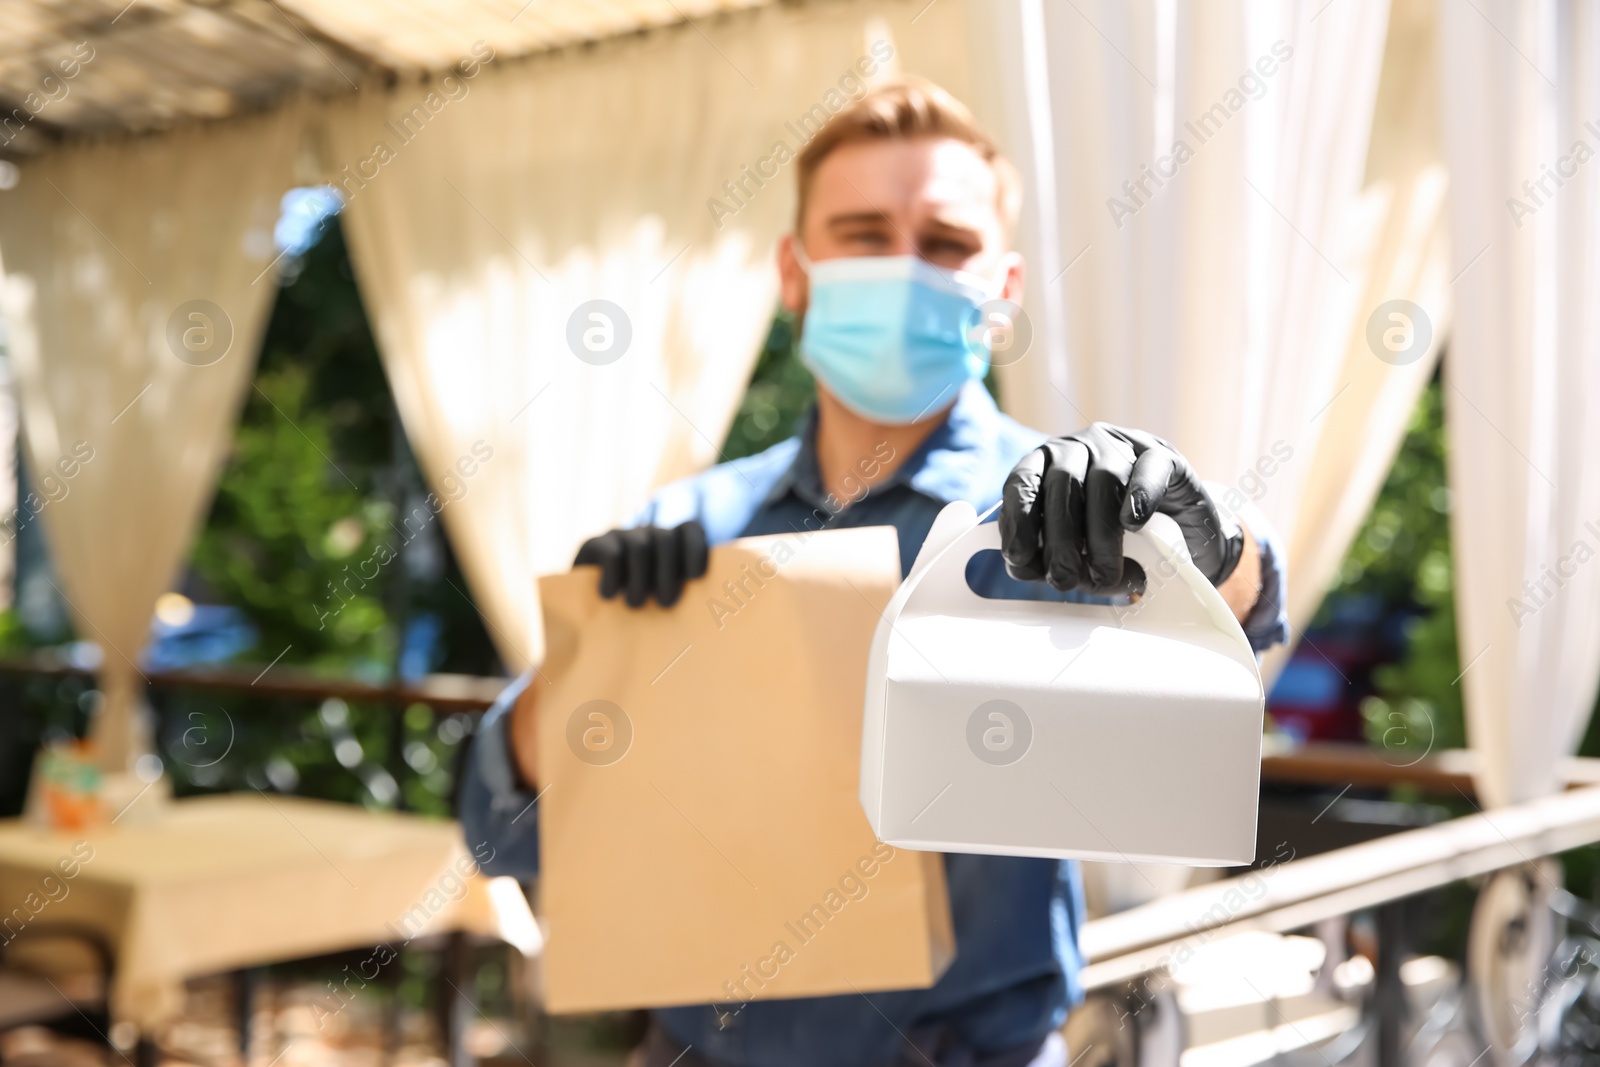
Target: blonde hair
(908, 107)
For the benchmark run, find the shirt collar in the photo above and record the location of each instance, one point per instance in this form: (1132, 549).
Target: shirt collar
(949, 465)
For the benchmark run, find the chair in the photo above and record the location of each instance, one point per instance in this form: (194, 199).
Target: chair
(72, 1002)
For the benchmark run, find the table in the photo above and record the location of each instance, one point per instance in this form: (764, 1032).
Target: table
(220, 883)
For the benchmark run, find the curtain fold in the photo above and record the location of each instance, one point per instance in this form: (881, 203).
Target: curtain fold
(568, 262)
(138, 277)
(1521, 111)
(1213, 220)
(1400, 231)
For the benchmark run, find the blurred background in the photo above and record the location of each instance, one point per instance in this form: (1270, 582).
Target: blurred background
(292, 417)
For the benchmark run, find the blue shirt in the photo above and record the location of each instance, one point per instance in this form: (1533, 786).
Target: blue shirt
(1016, 920)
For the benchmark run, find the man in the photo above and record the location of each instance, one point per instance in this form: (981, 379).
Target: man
(900, 238)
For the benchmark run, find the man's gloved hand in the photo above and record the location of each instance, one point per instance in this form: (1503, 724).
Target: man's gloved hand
(1066, 504)
(647, 561)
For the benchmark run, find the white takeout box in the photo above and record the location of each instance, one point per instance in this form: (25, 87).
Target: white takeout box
(1039, 728)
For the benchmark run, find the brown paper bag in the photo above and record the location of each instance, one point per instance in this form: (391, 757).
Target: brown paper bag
(700, 834)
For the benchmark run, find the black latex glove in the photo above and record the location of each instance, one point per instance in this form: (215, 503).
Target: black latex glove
(647, 561)
(1067, 503)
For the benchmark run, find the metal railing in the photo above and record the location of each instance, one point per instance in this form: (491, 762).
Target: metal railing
(444, 692)
(1131, 945)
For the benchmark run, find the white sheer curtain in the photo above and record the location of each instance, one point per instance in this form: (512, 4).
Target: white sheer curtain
(541, 186)
(1219, 292)
(1521, 106)
(1400, 231)
(138, 276)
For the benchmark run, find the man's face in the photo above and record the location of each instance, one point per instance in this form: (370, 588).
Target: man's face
(928, 197)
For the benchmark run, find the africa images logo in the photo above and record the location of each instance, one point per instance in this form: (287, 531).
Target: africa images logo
(999, 732)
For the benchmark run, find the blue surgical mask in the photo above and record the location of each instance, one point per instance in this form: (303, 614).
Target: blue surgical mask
(893, 337)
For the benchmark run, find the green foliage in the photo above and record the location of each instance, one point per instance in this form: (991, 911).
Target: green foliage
(285, 528)
(1418, 706)
(780, 391)
(14, 637)
(1401, 556)
(302, 537)
(1404, 545)
(307, 504)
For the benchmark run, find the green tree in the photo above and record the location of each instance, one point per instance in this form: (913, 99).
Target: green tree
(303, 538)
(1402, 557)
(306, 509)
(780, 391)
(285, 529)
